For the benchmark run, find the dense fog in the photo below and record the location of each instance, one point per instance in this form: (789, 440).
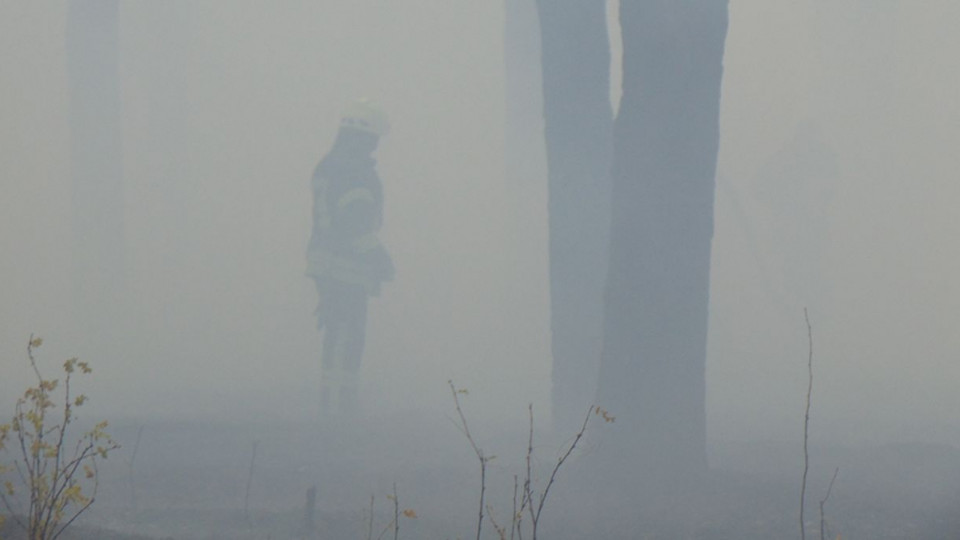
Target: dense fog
(835, 192)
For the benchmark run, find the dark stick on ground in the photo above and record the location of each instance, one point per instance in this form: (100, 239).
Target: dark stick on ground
(308, 521)
(133, 458)
(246, 495)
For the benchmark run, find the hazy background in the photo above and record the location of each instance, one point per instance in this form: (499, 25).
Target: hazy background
(836, 191)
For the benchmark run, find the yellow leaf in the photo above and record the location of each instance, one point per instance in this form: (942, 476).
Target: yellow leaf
(607, 417)
(409, 513)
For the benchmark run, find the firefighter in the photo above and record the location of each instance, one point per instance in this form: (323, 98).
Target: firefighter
(344, 257)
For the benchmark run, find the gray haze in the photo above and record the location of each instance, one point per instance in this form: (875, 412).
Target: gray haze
(836, 191)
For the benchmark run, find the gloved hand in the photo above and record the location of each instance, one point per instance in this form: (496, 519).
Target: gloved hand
(382, 264)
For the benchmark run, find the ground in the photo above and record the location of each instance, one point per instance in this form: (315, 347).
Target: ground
(204, 481)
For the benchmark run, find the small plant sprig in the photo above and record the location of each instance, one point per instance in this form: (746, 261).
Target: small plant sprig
(47, 471)
(531, 502)
(483, 459)
(394, 524)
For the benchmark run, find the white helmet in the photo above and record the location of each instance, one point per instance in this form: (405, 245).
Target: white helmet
(365, 115)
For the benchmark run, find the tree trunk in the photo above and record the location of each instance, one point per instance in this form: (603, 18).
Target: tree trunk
(578, 128)
(652, 374)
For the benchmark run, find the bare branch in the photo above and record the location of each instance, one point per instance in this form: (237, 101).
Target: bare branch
(515, 522)
(806, 422)
(13, 513)
(553, 474)
(396, 513)
(483, 460)
(501, 531)
(370, 525)
(246, 495)
(823, 502)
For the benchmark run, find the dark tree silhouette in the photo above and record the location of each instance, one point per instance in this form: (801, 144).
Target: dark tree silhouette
(578, 128)
(652, 374)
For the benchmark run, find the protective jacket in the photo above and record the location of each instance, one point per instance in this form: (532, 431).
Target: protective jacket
(347, 215)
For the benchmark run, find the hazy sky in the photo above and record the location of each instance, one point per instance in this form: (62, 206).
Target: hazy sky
(836, 191)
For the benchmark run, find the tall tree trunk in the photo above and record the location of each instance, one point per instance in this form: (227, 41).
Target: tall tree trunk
(578, 129)
(97, 161)
(652, 374)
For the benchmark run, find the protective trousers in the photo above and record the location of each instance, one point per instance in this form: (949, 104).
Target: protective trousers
(345, 321)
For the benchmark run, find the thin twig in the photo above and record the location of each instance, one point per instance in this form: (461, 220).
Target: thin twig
(384, 531)
(501, 531)
(476, 449)
(528, 483)
(824, 502)
(133, 458)
(310, 507)
(514, 524)
(246, 495)
(10, 510)
(556, 468)
(806, 422)
(396, 513)
(370, 525)
(395, 522)
(33, 361)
